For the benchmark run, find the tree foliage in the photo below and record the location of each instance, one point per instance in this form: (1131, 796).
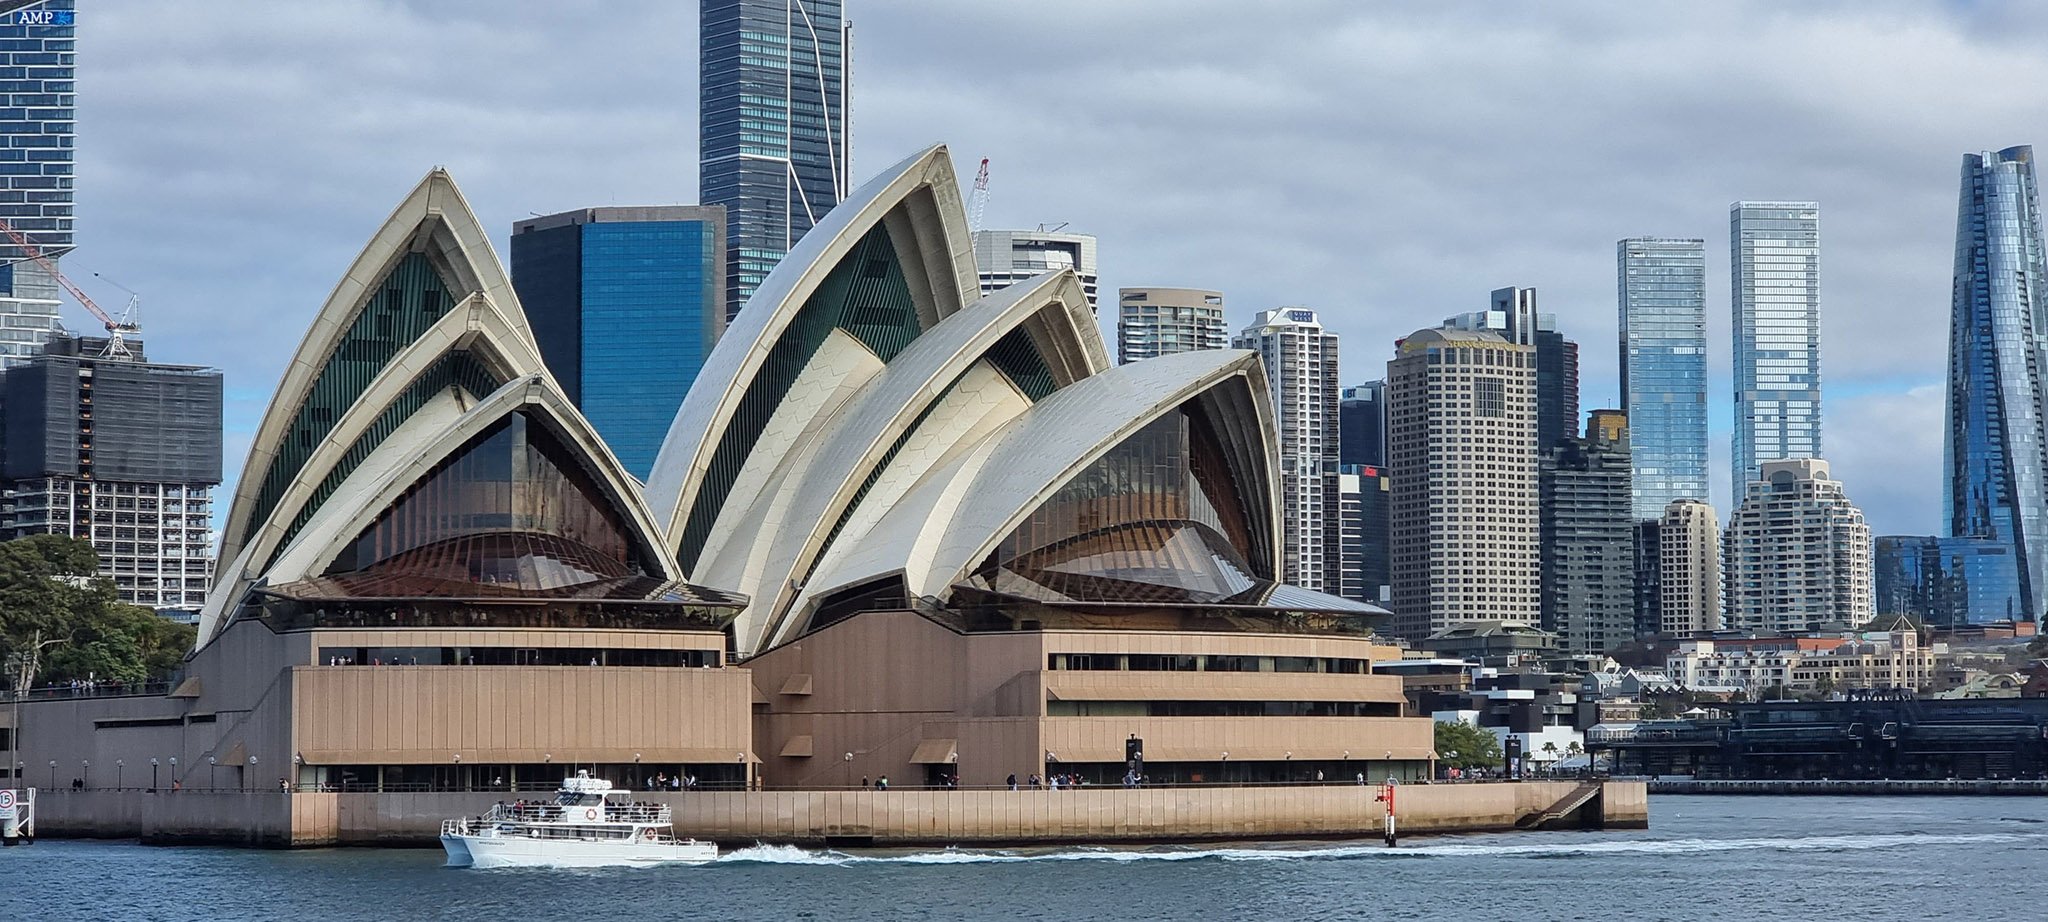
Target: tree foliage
(1462, 745)
(66, 622)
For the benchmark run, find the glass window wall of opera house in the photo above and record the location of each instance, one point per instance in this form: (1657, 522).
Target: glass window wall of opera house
(438, 576)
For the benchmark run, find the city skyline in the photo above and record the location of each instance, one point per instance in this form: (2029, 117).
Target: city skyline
(301, 138)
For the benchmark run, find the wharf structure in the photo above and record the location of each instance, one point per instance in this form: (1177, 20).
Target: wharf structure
(1875, 737)
(898, 530)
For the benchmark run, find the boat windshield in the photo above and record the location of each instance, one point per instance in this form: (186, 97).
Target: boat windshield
(574, 799)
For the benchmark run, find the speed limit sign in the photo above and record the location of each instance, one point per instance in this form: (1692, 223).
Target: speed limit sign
(6, 798)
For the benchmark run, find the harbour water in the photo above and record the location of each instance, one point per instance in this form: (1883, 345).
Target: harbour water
(1710, 858)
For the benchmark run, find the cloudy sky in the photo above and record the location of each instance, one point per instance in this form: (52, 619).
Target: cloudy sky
(1386, 166)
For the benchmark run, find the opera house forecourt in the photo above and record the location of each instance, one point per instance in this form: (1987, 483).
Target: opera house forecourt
(897, 529)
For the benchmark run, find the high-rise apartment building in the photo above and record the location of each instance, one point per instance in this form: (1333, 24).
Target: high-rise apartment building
(38, 56)
(1996, 462)
(1796, 555)
(1689, 584)
(1363, 495)
(1461, 442)
(1301, 369)
(1947, 582)
(1362, 424)
(625, 304)
(1004, 257)
(1774, 282)
(122, 452)
(1663, 299)
(1587, 535)
(1151, 322)
(1512, 314)
(772, 127)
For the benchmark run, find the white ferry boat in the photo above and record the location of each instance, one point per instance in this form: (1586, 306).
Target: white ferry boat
(587, 825)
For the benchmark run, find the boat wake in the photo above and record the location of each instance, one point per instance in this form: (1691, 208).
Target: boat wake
(790, 854)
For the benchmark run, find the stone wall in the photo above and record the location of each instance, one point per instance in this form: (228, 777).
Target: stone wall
(859, 817)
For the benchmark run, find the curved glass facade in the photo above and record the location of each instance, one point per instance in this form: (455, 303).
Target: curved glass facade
(1157, 519)
(512, 509)
(1996, 457)
(398, 311)
(1947, 582)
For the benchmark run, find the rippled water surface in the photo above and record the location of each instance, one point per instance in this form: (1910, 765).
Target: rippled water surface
(1704, 858)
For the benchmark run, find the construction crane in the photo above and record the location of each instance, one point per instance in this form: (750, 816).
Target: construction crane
(117, 330)
(978, 201)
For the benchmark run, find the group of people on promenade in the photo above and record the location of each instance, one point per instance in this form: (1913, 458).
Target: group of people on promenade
(663, 782)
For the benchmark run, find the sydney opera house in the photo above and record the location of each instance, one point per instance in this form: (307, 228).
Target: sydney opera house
(897, 529)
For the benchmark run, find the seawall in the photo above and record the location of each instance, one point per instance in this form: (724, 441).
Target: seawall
(1959, 788)
(866, 817)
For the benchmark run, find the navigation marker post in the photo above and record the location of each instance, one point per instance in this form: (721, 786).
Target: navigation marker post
(1386, 796)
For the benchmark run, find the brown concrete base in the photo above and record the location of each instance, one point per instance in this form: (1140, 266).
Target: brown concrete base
(865, 817)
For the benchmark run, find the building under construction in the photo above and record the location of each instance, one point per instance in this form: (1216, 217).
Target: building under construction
(97, 442)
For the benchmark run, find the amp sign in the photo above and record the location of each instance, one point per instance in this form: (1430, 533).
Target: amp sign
(45, 18)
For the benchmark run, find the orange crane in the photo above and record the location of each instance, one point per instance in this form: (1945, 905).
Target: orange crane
(117, 330)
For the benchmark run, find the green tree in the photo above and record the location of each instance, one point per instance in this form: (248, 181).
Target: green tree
(1462, 745)
(59, 620)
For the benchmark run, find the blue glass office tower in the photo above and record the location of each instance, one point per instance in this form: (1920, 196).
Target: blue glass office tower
(1996, 457)
(1663, 297)
(1947, 582)
(1774, 280)
(37, 63)
(625, 304)
(771, 127)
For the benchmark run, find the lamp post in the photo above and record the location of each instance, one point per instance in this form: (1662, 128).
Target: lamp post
(152, 774)
(1226, 766)
(85, 772)
(458, 772)
(741, 757)
(53, 774)
(212, 773)
(174, 773)
(298, 768)
(252, 771)
(846, 777)
(119, 764)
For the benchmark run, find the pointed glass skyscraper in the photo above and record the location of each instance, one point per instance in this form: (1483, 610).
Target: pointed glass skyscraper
(771, 125)
(1996, 457)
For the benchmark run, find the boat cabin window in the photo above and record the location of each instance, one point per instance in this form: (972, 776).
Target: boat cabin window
(570, 799)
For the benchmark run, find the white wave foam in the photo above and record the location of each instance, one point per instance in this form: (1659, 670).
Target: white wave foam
(790, 854)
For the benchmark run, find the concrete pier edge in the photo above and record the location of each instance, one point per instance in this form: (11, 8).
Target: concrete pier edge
(856, 818)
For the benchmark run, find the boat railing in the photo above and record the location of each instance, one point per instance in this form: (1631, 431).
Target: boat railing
(536, 812)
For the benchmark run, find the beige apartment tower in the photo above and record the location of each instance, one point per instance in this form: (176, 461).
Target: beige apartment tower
(1151, 322)
(1797, 553)
(1461, 440)
(1689, 558)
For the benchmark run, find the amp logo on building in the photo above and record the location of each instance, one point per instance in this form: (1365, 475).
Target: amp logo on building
(45, 18)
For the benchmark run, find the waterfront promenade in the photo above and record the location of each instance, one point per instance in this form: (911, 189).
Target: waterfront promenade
(868, 817)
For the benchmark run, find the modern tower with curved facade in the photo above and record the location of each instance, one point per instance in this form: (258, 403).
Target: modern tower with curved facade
(1996, 457)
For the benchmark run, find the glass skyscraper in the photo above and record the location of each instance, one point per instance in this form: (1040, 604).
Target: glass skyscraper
(1946, 582)
(1996, 457)
(37, 64)
(1774, 284)
(772, 127)
(1663, 297)
(625, 304)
